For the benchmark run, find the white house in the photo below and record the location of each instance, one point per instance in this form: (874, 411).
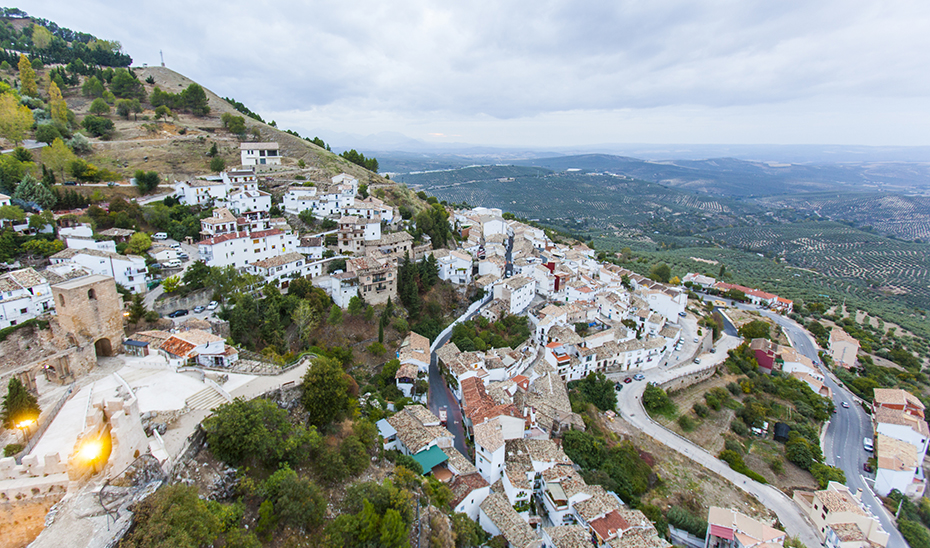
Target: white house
(517, 292)
(260, 154)
(562, 489)
(899, 467)
(163, 253)
(468, 492)
(489, 449)
(249, 200)
(311, 246)
(900, 425)
(221, 221)
(24, 294)
(129, 271)
(300, 198)
(4, 200)
(343, 286)
(77, 242)
(414, 349)
(200, 191)
(239, 249)
(454, 267)
(282, 268)
(406, 378)
(355, 233)
(199, 347)
(668, 301)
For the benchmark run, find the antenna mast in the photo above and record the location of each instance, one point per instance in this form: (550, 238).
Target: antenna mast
(162, 54)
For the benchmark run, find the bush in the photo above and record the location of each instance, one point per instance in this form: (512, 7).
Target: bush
(683, 519)
(97, 125)
(914, 533)
(701, 410)
(376, 349)
(733, 445)
(824, 474)
(686, 423)
(656, 400)
(735, 460)
(739, 428)
(12, 449)
(409, 463)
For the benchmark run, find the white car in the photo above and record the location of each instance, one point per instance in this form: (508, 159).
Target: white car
(212, 305)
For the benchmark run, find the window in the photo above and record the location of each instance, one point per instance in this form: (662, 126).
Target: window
(91, 294)
(23, 310)
(61, 300)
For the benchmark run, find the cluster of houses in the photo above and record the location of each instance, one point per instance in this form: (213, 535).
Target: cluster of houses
(901, 437)
(775, 357)
(755, 296)
(26, 293)
(530, 494)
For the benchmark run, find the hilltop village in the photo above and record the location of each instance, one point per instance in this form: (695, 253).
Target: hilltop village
(289, 349)
(492, 423)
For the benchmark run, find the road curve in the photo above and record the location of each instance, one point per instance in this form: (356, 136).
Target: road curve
(629, 404)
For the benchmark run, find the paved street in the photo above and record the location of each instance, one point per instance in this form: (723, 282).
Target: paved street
(440, 396)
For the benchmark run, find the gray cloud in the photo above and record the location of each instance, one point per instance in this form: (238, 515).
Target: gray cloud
(503, 65)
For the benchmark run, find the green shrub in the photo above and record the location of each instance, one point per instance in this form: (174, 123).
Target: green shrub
(686, 423)
(735, 460)
(12, 449)
(739, 428)
(683, 519)
(733, 445)
(701, 410)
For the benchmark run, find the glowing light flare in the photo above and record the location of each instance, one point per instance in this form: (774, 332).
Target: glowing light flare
(90, 450)
(25, 423)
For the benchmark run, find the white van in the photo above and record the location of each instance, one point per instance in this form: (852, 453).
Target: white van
(160, 236)
(867, 443)
(173, 263)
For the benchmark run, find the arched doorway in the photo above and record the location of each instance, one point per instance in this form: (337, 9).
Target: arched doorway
(103, 348)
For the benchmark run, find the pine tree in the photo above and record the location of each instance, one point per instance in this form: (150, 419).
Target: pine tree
(19, 405)
(27, 77)
(32, 190)
(381, 331)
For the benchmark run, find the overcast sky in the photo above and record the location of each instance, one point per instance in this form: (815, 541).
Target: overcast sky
(547, 73)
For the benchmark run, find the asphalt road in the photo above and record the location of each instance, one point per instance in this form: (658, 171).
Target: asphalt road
(441, 396)
(842, 443)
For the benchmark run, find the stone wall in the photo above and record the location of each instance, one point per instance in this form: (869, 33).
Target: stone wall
(680, 383)
(90, 310)
(201, 297)
(22, 521)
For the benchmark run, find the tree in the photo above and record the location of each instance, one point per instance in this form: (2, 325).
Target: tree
(306, 318)
(47, 133)
(661, 273)
(297, 501)
(194, 99)
(162, 112)
(756, 329)
(125, 107)
(217, 164)
(468, 534)
(235, 124)
(57, 105)
(12, 213)
(19, 405)
(31, 190)
(335, 315)
(98, 126)
(136, 309)
(598, 390)
(393, 530)
(171, 284)
(250, 432)
(125, 85)
(41, 37)
(27, 77)
(147, 181)
(174, 516)
(325, 392)
(15, 119)
(92, 87)
(139, 243)
(356, 306)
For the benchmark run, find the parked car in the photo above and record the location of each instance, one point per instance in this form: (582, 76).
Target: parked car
(682, 314)
(866, 467)
(173, 263)
(160, 236)
(212, 305)
(175, 246)
(199, 308)
(183, 256)
(627, 380)
(697, 360)
(638, 377)
(179, 312)
(70, 183)
(618, 387)
(697, 340)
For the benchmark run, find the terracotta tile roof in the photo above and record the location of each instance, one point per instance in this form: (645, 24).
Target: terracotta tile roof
(462, 486)
(886, 415)
(600, 503)
(569, 536)
(280, 260)
(848, 532)
(840, 501)
(411, 430)
(609, 525)
(414, 347)
(896, 396)
(198, 337)
(258, 234)
(178, 347)
(895, 454)
(462, 465)
(514, 529)
(488, 435)
(406, 371)
(752, 528)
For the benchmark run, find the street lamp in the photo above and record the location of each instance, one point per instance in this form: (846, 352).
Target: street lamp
(23, 425)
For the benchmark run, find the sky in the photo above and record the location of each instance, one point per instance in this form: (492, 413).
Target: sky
(546, 72)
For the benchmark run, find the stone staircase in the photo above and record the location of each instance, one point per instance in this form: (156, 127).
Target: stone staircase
(207, 399)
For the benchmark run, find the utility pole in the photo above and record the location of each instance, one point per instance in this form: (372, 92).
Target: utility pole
(162, 54)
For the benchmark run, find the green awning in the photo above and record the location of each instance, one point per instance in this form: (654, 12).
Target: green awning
(430, 458)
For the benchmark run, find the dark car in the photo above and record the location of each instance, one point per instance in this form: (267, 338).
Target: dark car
(618, 386)
(179, 312)
(70, 183)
